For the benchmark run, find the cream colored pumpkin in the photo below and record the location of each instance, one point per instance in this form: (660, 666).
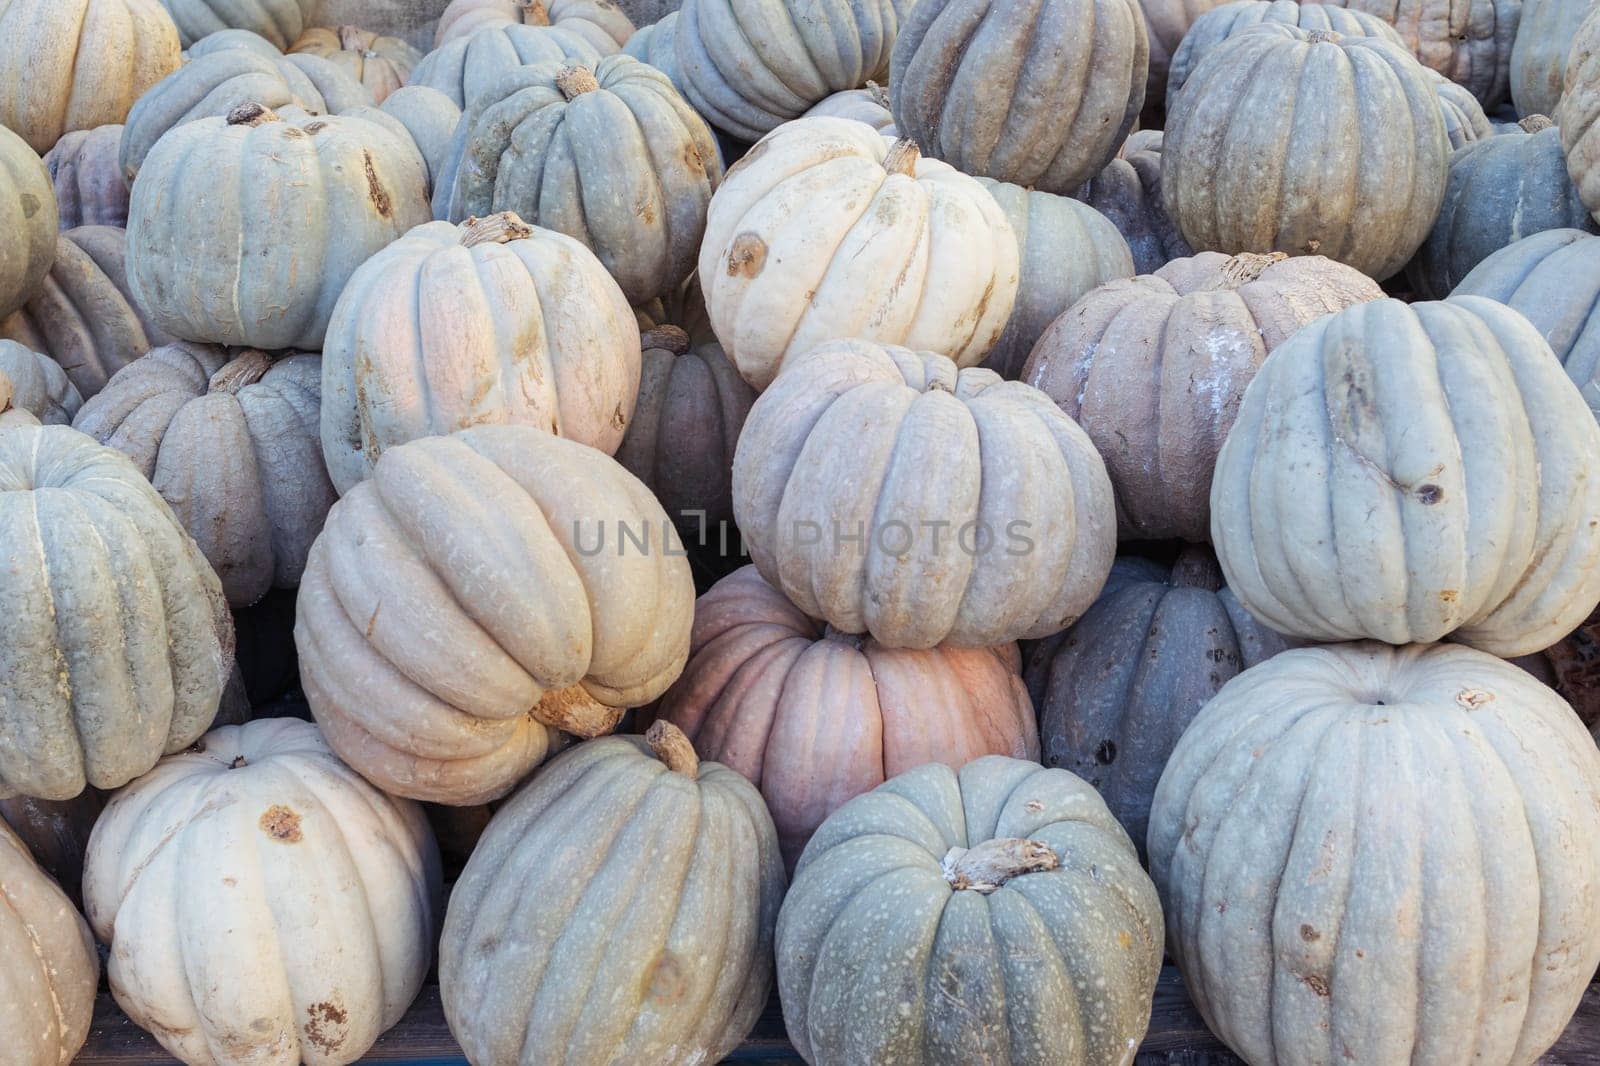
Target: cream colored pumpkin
(493, 321)
(600, 22)
(382, 64)
(828, 230)
(263, 904)
(869, 105)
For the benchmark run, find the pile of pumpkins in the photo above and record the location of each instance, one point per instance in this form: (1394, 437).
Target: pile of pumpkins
(1138, 461)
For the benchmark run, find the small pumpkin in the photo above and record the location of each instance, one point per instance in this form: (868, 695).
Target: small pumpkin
(56, 834)
(635, 889)
(1578, 113)
(29, 216)
(1468, 41)
(443, 675)
(494, 321)
(465, 67)
(1477, 521)
(299, 901)
(828, 230)
(381, 64)
(839, 447)
(1464, 120)
(1545, 32)
(38, 385)
(1153, 368)
(277, 21)
(1326, 811)
(1128, 192)
(430, 117)
(869, 105)
(600, 22)
(1010, 884)
(89, 187)
(973, 86)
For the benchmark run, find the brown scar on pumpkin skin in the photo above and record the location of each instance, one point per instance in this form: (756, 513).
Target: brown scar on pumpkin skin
(375, 190)
(747, 256)
(324, 1017)
(281, 824)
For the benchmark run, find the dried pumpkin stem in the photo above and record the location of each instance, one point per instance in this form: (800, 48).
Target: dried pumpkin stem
(1244, 268)
(673, 748)
(534, 12)
(252, 114)
(573, 710)
(902, 158)
(667, 338)
(246, 368)
(879, 95)
(1323, 37)
(502, 228)
(1535, 123)
(575, 79)
(988, 866)
(1197, 568)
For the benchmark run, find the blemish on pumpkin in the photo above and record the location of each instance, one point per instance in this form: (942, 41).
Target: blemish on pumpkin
(281, 824)
(294, 131)
(30, 205)
(1448, 595)
(325, 1025)
(747, 255)
(1124, 940)
(373, 621)
(1309, 934)
(618, 419)
(1473, 698)
(380, 198)
(647, 213)
(1034, 806)
(668, 981)
(1106, 753)
(1318, 984)
(315, 127)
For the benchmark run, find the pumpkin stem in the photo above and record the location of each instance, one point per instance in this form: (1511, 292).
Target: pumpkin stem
(878, 94)
(1323, 37)
(573, 710)
(237, 763)
(534, 13)
(673, 748)
(246, 368)
(902, 158)
(668, 338)
(353, 38)
(1535, 123)
(575, 79)
(252, 115)
(1197, 568)
(985, 868)
(501, 228)
(1242, 269)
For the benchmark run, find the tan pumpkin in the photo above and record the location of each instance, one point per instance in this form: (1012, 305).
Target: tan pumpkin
(477, 593)
(38, 385)
(1468, 41)
(382, 64)
(1578, 113)
(814, 717)
(492, 321)
(27, 211)
(90, 189)
(1167, 22)
(600, 22)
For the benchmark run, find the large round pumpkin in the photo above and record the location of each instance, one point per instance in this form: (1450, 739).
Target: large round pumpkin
(1364, 190)
(492, 321)
(89, 187)
(263, 903)
(815, 717)
(118, 636)
(38, 385)
(632, 890)
(478, 592)
(466, 66)
(1128, 192)
(600, 22)
(612, 156)
(1578, 113)
(977, 86)
(1153, 369)
(827, 230)
(382, 64)
(1411, 472)
(279, 21)
(1012, 538)
(1545, 32)
(1468, 41)
(1005, 892)
(1371, 854)
(29, 218)
(211, 260)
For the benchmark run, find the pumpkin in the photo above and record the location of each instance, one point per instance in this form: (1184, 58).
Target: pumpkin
(88, 182)
(1330, 807)
(105, 586)
(1477, 519)
(976, 87)
(211, 261)
(56, 834)
(831, 493)
(492, 321)
(263, 903)
(828, 230)
(85, 317)
(1545, 32)
(1066, 249)
(600, 22)
(1128, 192)
(220, 40)
(1468, 41)
(1117, 690)
(1166, 23)
(28, 215)
(869, 105)
(1153, 369)
(748, 68)
(232, 443)
(38, 385)
(612, 156)
(634, 890)
(814, 717)
(381, 64)
(414, 20)
(1364, 193)
(51, 89)
(1553, 279)
(277, 21)
(443, 674)
(1464, 120)
(1221, 23)
(52, 969)
(1578, 113)
(430, 117)
(1009, 885)
(656, 44)
(466, 67)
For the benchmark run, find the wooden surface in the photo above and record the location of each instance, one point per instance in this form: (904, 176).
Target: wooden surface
(1177, 1037)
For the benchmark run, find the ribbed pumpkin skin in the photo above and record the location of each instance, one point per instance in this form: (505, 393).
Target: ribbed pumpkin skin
(433, 666)
(27, 211)
(465, 67)
(1154, 367)
(814, 717)
(47, 89)
(612, 156)
(381, 64)
(600, 22)
(1066, 249)
(1407, 472)
(1055, 966)
(1464, 120)
(1432, 812)
(52, 969)
(430, 117)
(1468, 41)
(825, 231)
(1128, 192)
(104, 581)
(749, 68)
(973, 82)
(263, 903)
(1221, 23)
(89, 187)
(634, 902)
(84, 317)
(869, 105)
(434, 334)
(56, 834)
(209, 259)
(1553, 279)
(1167, 22)
(39, 385)
(840, 446)
(1501, 189)
(280, 22)
(655, 44)
(1235, 180)
(1117, 690)
(1545, 33)
(1578, 114)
